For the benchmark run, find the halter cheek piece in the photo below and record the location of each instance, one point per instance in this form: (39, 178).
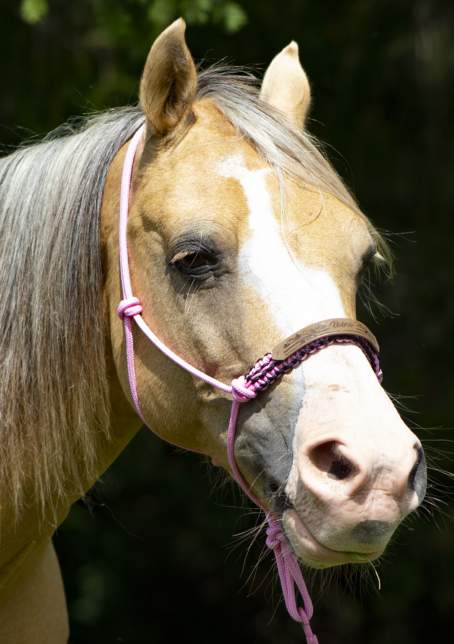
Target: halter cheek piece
(285, 356)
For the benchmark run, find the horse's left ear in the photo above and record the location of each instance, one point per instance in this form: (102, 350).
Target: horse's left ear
(169, 80)
(286, 87)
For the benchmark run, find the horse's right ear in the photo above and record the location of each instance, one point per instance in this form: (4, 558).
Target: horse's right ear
(286, 87)
(169, 80)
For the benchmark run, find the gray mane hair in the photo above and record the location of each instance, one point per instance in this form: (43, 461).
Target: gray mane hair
(53, 383)
(54, 406)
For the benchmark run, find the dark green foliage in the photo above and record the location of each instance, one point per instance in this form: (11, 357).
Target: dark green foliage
(150, 563)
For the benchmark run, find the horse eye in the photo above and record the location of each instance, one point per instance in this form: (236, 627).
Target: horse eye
(193, 262)
(367, 262)
(368, 258)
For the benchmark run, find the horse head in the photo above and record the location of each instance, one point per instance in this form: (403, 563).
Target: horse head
(241, 234)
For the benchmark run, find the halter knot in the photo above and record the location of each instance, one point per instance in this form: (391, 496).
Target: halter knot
(129, 307)
(240, 392)
(274, 536)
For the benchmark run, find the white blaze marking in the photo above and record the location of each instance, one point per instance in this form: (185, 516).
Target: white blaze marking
(297, 295)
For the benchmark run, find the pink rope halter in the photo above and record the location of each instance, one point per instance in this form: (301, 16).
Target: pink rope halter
(242, 389)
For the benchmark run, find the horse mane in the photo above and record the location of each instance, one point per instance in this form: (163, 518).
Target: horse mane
(54, 406)
(53, 382)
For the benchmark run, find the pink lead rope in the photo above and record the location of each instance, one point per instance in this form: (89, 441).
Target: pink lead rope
(242, 389)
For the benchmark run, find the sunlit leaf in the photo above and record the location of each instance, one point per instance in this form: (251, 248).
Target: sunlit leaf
(34, 11)
(231, 16)
(162, 12)
(196, 11)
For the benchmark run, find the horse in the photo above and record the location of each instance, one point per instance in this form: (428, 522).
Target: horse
(239, 235)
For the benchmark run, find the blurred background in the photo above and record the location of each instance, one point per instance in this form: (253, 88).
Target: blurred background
(150, 556)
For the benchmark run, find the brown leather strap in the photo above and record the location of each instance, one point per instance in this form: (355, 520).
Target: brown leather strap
(324, 329)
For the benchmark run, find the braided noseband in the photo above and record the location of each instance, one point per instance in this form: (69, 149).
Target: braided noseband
(285, 357)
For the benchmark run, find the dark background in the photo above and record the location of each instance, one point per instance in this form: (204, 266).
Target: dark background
(149, 559)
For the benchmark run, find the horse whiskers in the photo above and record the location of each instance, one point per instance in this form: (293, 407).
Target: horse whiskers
(434, 449)
(431, 516)
(436, 483)
(251, 535)
(428, 505)
(440, 488)
(434, 468)
(437, 440)
(271, 576)
(397, 400)
(430, 508)
(358, 578)
(424, 513)
(185, 291)
(427, 513)
(190, 296)
(431, 497)
(369, 300)
(439, 491)
(439, 455)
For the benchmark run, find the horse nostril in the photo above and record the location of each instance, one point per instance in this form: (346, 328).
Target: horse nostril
(417, 479)
(328, 458)
(339, 470)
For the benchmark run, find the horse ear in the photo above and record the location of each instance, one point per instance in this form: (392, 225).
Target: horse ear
(169, 80)
(286, 87)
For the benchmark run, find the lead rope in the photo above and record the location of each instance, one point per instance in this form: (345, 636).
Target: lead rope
(242, 389)
(287, 564)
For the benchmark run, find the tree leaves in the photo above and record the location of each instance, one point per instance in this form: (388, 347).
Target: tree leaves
(160, 13)
(34, 11)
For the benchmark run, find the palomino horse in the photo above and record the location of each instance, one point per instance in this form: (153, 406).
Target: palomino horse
(240, 234)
